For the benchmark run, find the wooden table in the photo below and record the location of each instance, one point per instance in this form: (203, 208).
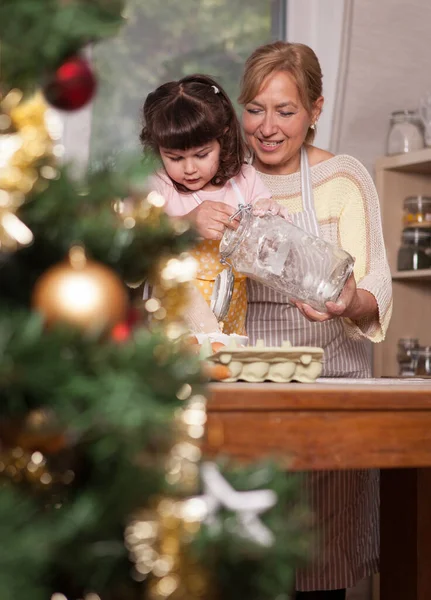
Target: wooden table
(345, 424)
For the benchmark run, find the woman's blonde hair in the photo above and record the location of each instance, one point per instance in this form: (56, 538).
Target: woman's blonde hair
(297, 59)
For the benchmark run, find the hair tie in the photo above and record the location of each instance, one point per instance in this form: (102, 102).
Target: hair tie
(215, 88)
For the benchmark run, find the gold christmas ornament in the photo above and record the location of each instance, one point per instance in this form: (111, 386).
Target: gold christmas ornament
(82, 293)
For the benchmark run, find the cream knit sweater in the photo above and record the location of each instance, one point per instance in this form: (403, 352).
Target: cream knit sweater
(348, 212)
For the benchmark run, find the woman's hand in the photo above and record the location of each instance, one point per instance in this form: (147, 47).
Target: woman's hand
(352, 304)
(210, 219)
(264, 205)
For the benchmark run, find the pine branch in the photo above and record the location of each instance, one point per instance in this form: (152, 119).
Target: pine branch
(37, 35)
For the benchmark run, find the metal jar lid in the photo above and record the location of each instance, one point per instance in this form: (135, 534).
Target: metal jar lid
(223, 286)
(418, 203)
(222, 293)
(417, 235)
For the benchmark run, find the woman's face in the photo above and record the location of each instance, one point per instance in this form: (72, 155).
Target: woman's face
(276, 123)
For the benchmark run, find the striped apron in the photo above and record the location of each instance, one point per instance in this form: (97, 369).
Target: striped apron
(345, 503)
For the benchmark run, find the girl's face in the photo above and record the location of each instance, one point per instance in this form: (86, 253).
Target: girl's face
(276, 123)
(193, 168)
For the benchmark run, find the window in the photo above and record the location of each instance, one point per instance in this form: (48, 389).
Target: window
(165, 40)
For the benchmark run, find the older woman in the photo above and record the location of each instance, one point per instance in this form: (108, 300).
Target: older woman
(333, 197)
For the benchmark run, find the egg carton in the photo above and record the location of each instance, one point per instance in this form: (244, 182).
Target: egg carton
(259, 363)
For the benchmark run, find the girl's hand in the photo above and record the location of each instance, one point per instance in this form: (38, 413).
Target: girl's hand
(210, 219)
(351, 304)
(264, 205)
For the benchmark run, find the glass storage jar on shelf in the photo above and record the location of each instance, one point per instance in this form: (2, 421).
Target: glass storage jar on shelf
(405, 132)
(406, 356)
(275, 252)
(417, 211)
(423, 361)
(415, 250)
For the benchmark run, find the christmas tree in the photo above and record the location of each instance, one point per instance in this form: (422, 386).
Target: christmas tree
(104, 492)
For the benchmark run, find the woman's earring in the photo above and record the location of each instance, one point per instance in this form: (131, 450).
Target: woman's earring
(313, 126)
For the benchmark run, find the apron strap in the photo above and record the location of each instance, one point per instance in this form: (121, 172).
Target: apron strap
(237, 191)
(306, 187)
(307, 219)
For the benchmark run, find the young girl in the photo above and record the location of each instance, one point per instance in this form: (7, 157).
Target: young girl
(191, 124)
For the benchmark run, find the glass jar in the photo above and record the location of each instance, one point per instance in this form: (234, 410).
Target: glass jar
(405, 132)
(423, 365)
(278, 254)
(415, 250)
(417, 211)
(406, 356)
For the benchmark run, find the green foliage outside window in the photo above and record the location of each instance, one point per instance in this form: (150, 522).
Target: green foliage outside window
(165, 40)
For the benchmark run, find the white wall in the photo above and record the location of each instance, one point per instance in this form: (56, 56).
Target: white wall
(387, 68)
(76, 137)
(319, 24)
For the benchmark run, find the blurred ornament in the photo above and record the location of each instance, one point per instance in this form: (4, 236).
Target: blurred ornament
(26, 152)
(82, 293)
(72, 86)
(121, 332)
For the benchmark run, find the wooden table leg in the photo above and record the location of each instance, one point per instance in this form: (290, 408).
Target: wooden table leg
(405, 525)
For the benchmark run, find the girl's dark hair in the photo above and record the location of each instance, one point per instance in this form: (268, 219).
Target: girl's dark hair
(191, 112)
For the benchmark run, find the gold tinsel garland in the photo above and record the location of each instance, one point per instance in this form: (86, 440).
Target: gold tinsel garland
(159, 539)
(170, 275)
(27, 150)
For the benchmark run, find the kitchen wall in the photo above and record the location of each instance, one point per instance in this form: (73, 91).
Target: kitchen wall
(384, 65)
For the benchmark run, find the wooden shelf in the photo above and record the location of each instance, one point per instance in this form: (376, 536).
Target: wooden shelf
(421, 274)
(410, 162)
(398, 177)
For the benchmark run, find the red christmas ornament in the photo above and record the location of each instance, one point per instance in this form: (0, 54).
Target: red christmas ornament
(121, 332)
(72, 85)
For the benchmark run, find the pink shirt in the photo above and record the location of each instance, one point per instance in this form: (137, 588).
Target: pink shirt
(248, 182)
